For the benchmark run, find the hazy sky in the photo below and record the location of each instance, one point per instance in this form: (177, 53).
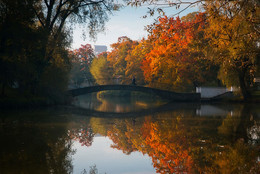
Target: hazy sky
(126, 22)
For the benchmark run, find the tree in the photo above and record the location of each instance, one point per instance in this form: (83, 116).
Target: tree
(159, 5)
(134, 60)
(234, 39)
(81, 62)
(176, 59)
(35, 37)
(17, 51)
(117, 57)
(234, 33)
(52, 16)
(76, 73)
(100, 69)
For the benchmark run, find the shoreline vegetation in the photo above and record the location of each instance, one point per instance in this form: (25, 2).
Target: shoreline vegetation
(37, 62)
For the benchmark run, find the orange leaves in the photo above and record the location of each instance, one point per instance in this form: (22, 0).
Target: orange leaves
(168, 149)
(117, 57)
(171, 58)
(85, 54)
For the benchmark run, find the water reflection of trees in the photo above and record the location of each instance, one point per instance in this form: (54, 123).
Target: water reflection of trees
(181, 143)
(176, 141)
(83, 133)
(118, 101)
(32, 147)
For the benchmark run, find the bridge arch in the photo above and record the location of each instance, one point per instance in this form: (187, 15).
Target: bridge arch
(173, 96)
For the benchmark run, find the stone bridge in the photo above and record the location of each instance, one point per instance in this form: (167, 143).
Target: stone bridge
(170, 95)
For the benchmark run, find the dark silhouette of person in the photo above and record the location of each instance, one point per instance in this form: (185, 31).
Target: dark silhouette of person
(133, 80)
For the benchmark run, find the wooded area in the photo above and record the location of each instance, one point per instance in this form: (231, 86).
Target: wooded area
(218, 46)
(35, 37)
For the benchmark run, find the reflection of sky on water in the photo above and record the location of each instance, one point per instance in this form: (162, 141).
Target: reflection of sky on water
(109, 160)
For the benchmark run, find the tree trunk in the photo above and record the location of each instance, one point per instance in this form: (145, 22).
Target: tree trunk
(243, 88)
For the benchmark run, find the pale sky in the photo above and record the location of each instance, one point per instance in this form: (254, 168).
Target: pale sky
(126, 22)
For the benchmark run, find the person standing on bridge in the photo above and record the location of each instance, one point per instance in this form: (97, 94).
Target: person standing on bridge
(133, 80)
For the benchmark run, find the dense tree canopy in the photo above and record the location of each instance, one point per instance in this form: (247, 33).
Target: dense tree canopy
(81, 60)
(35, 39)
(233, 33)
(101, 69)
(135, 59)
(117, 57)
(179, 52)
(52, 16)
(176, 58)
(234, 40)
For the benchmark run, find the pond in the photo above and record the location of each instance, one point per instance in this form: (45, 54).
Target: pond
(157, 137)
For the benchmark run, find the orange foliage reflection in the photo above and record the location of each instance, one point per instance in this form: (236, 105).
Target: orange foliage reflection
(169, 150)
(176, 144)
(165, 143)
(84, 135)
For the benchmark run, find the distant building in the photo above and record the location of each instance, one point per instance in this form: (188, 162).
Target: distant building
(100, 49)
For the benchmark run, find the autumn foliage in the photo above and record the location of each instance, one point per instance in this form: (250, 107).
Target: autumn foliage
(175, 58)
(81, 60)
(117, 57)
(176, 144)
(169, 150)
(198, 49)
(171, 57)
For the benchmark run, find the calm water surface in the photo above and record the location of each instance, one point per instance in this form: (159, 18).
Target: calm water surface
(155, 137)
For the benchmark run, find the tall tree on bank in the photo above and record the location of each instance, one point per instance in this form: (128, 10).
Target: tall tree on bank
(234, 33)
(55, 17)
(35, 38)
(17, 51)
